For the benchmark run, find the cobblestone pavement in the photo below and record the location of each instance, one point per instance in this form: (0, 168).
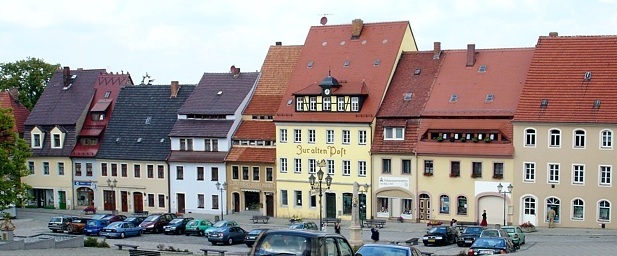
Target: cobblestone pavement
(555, 241)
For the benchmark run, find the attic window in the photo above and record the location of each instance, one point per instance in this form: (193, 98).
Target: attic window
(453, 98)
(289, 102)
(596, 104)
(376, 62)
(407, 96)
(544, 103)
(489, 98)
(117, 140)
(162, 140)
(417, 71)
(346, 63)
(219, 93)
(148, 120)
(107, 94)
(588, 76)
(310, 64)
(139, 140)
(482, 69)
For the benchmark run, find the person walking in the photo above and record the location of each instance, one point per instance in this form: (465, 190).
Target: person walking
(337, 228)
(483, 223)
(551, 218)
(375, 234)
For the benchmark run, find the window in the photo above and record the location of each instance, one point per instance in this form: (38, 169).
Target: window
(97, 116)
(299, 104)
(150, 171)
(340, 102)
(212, 145)
(386, 165)
(329, 136)
(311, 136)
(553, 173)
(56, 141)
(455, 169)
(355, 104)
(330, 166)
(555, 138)
(30, 167)
(346, 137)
(530, 138)
(245, 173)
(428, 167)
(88, 169)
(256, 173)
(498, 170)
(578, 174)
(283, 165)
(214, 172)
(269, 174)
(326, 105)
(186, 144)
(161, 171)
(529, 205)
(103, 169)
(312, 166)
(200, 173)
(45, 168)
(313, 202)
(215, 201)
(77, 169)
(606, 138)
(604, 209)
(394, 133)
(36, 140)
(298, 198)
(235, 172)
(444, 204)
(313, 103)
(297, 165)
(461, 203)
(406, 166)
(579, 139)
(297, 135)
(200, 201)
(578, 209)
(346, 168)
(137, 170)
(605, 175)
(362, 168)
(283, 135)
(150, 200)
(362, 137)
(284, 198)
(161, 201)
(553, 203)
(179, 172)
(476, 169)
(347, 201)
(114, 170)
(60, 168)
(530, 171)
(124, 170)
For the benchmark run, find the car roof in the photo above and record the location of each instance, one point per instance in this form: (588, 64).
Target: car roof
(387, 246)
(301, 232)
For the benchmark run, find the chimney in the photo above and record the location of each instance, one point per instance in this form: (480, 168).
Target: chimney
(471, 55)
(279, 43)
(175, 87)
(436, 50)
(66, 76)
(356, 28)
(553, 34)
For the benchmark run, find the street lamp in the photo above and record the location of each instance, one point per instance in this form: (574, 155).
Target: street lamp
(504, 192)
(319, 187)
(355, 237)
(221, 187)
(113, 184)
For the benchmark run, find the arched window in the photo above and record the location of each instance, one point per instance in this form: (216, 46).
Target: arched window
(554, 203)
(579, 139)
(606, 139)
(444, 204)
(578, 209)
(555, 138)
(604, 210)
(530, 137)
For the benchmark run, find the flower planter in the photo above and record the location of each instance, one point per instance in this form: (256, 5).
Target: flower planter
(528, 229)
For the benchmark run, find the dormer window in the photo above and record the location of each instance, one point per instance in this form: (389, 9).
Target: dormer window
(299, 104)
(355, 104)
(57, 138)
(394, 133)
(36, 137)
(98, 116)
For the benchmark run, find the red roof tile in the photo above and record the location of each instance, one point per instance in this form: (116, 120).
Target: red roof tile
(557, 75)
(256, 130)
(20, 113)
(406, 146)
(250, 154)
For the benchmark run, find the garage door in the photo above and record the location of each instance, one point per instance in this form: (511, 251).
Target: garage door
(494, 209)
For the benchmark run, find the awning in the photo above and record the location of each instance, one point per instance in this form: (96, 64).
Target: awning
(251, 190)
(101, 105)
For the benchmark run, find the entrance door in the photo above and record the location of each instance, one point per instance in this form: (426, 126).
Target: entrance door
(424, 207)
(62, 200)
(125, 201)
(236, 202)
(270, 205)
(109, 200)
(181, 204)
(41, 197)
(138, 202)
(330, 205)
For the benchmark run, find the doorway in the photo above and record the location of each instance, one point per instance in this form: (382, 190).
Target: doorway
(424, 207)
(330, 205)
(62, 200)
(138, 202)
(180, 198)
(124, 197)
(109, 200)
(270, 204)
(251, 201)
(236, 199)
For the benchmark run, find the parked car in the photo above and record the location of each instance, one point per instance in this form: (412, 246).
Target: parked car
(489, 246)
(100, 216)
(176, 226)
(114, 218)
(443, 235)
(516, 233)
(94, 227)
(251, 236)
(469, 235)
(121, 229)
(155, 222)
(304, 225)
(221, 224)
(135, 219)
(77, 225)
(497, 232)
(197, 227)
(60, 223)
(229, 235)
(387, 249)
(300, 242)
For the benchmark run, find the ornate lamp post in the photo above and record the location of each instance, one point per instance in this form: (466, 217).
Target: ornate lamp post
(113, 184)
(221, 187)
(355, 237)
(504, 192)
(316, 184)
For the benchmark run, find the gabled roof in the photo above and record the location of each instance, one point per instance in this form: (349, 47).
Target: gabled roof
(20, 113)
(145, 112)
(503, 78)
(557, 75)
(252, 155)
(60, 106)
(219, 93)
(276, 71)
(371, 54)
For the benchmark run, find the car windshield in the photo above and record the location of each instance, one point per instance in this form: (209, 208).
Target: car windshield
(192, 223)
(296, 226)
(115, 225)
(437, 230)
(490, 233)
(255, 231)
(174, 221)
(509, 230)
(490, 243)
(92, 223)
(287, 244)
(382, 250)
(98, 216)
(473, 230)
(220, 224)
(152, 218)
(55, 219)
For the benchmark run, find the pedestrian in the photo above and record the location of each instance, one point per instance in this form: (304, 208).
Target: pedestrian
(453, 223)
(337, 228)
(483, 223)
(375, 234)
(551, 218)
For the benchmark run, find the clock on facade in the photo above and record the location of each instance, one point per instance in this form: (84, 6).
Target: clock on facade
(326, 92)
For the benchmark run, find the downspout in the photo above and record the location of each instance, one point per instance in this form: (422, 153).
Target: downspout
(415, 152)
(370, 125)
(168, 186)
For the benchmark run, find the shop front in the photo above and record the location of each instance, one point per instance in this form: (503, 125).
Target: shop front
(84, 194)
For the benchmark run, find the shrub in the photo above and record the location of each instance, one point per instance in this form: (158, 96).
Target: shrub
(91, 242)
(103, 244)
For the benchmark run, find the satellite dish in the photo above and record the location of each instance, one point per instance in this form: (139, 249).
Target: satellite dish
(323, 20)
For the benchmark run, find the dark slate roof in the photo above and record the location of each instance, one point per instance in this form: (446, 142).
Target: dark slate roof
(201, 128)
(128, 123)
(197, 156)
(57, 106)
(219, 93)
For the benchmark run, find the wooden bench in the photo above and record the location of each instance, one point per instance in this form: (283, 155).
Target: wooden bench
(127, 245)
(371, 223)
(133, 252)
(220, 252)
(331, 220)
(262, 218)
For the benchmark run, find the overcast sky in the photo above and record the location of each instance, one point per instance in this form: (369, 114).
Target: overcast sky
(182, 39)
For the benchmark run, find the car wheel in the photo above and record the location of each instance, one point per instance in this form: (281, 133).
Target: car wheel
(53, 231)
(213, 243)
(230, 241)
(70, 229)
(122, 235)
(187, 234)
(249, 245)
(425, 244)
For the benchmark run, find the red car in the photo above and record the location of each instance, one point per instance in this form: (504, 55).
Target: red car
(114, 218)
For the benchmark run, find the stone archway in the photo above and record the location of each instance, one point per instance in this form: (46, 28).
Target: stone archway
(84, 197)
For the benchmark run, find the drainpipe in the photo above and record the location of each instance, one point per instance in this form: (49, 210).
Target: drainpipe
(415, 152)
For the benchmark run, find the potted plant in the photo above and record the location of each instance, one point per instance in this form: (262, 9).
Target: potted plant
(463, 139)
(7, 227)
(439, 139)
(294, 218)
(487, 140)
(527, 227)
(474, 139)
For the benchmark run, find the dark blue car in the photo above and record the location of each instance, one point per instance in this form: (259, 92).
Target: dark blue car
(94, 227)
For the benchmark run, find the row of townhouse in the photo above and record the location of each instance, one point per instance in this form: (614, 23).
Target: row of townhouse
(432, 133)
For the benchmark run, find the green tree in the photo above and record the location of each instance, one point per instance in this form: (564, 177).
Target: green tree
(29, 76)
(13, 154)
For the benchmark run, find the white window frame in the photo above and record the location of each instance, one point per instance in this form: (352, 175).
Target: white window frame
(355, 104)
(605, 175)
(578, 140)
(312, 165)
(346, 137)
(61, 168)
(327, 103)
(529, 172)
(311, 136)
(37, 137)
(578, 174)
(313, 103)
(45, 168)
(330, 166)
(530, 138)
(329, 136)
(606, 139)
(340, 103)
(602, 204)
(575, 205)
(298, 198)
(60, 135)
(283, 135)
(362, 168)
(346, 167)
(553, 170)
(186, 144)
(297, 136)
(362, 137)
(299, 103)
(297, 165)
(554, 139)
(393, 133)
(283, 165)
(284, 198)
